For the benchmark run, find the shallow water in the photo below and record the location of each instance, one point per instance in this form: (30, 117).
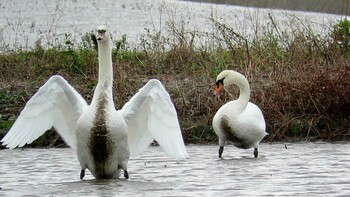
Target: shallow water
(282, 170)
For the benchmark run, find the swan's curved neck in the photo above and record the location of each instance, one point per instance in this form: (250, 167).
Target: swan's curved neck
(244, 93)
(105, 72)
(244, 89)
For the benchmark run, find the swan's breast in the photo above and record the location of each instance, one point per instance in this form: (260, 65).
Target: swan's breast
(230, 134)
(100, 142)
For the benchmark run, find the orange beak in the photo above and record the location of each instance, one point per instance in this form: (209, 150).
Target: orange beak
(217, 88)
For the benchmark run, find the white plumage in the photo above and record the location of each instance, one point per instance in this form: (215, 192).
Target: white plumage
(239, 122)
(102, 136)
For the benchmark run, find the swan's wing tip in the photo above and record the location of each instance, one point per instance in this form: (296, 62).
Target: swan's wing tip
(9, 146)
(155, 81)
(183, 157)
(12, 147)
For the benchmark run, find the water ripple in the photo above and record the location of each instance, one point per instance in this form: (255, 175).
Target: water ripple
(311, 169)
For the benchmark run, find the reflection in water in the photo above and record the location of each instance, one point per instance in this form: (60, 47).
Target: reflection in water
(301, 169)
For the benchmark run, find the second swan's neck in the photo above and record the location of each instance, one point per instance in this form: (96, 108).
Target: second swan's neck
(244, 89)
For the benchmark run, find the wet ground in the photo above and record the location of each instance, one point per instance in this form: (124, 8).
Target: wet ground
(291, 169)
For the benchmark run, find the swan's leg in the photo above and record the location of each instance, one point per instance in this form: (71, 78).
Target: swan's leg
(256, 152)
(125, 169)
(221, 149)
(126, 174)
(82, 174)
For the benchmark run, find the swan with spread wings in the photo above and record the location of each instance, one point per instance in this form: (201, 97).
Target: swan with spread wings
(104, 138)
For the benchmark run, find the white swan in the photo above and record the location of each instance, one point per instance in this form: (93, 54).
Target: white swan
(103, 137)
(239, 122)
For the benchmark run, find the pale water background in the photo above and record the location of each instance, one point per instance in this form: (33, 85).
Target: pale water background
(324, 6)
(23, 22)
(282, 169)
(301, 169)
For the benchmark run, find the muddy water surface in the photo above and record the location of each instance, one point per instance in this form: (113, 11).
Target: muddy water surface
(293, 169)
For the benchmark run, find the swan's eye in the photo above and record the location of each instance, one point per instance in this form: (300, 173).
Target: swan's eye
(220, 81)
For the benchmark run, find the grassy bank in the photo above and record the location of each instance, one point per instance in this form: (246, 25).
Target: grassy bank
(300, 80)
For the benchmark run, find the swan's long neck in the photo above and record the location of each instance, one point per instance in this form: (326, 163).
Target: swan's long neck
(105, 73)
(244, 89)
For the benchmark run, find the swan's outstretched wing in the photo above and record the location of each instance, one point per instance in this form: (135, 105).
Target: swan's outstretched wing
(150, 115)
(55, 104)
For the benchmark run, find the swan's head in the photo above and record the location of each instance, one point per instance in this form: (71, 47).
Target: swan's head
(225, 78)
(102, 34)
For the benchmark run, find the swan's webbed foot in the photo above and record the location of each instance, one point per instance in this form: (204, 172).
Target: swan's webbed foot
(221, 150)
(126, 174)
(82, 174)
(256, 152)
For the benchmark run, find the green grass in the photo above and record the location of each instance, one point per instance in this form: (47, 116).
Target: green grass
(300, 80)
